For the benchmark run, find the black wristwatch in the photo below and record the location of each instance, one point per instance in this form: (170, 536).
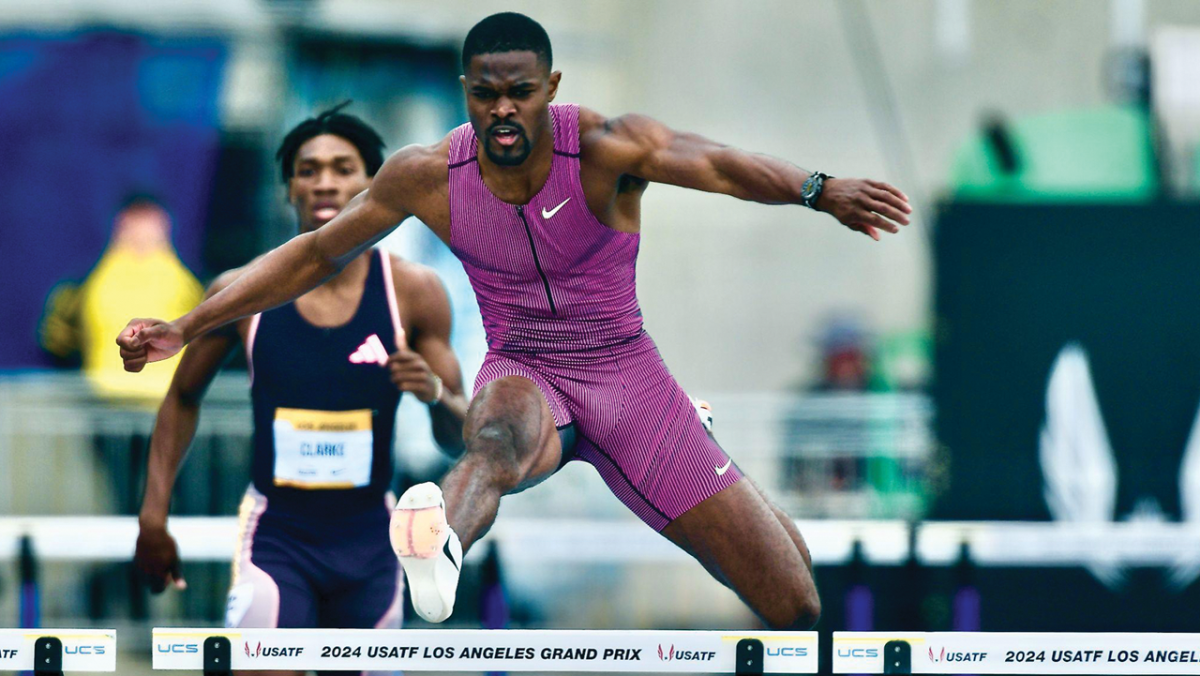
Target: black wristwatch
(810, 192)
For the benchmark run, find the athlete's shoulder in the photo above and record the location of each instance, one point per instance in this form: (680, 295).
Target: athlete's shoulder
(411, 176)
(617, 141)
(593, 126)
(591, 120)
(417, 161)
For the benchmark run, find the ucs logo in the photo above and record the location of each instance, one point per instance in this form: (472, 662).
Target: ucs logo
(858, 652)
(666, 656)
(938, 657)
(179, 648)
(84, 650)
(787, 652)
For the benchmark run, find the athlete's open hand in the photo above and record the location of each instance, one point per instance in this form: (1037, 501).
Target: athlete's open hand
(147, 340)
(410, 373)
(157, 559)
(865, 206)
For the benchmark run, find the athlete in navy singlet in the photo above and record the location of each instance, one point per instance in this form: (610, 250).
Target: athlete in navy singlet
(327, 372)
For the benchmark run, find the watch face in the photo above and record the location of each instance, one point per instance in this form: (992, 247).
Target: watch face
(809, 188)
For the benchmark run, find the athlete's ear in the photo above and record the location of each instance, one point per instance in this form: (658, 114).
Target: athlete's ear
(292, 197)
(552, 83)
(463, 80)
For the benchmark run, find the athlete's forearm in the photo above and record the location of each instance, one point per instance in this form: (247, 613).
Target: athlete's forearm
(641, 146)
(280, 276)
(174, 429)
(446, 417)
(757, 178)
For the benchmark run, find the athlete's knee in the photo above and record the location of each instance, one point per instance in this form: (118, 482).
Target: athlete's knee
(499, 446)
(795, 609)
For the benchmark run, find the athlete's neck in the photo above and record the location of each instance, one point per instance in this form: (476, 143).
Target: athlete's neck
(518, 184)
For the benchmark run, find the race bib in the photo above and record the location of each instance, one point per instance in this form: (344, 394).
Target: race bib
(323, 449)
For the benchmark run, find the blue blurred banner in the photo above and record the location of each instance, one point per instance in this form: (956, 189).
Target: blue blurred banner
(87, 118)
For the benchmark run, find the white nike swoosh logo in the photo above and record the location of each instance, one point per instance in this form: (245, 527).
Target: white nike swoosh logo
(722, 470)
(548, 214)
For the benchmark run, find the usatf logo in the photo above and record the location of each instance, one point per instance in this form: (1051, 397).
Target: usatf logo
(269, 651)
(685, 655)
(938, 657)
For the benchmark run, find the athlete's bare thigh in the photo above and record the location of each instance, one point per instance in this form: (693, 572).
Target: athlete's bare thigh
(739, 538)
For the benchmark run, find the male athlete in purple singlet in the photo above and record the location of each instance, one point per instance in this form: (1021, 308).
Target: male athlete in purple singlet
(541, 204)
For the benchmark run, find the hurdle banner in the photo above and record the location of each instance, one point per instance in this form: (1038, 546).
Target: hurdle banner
(54, 651)
(1014, 653)
(549, 650)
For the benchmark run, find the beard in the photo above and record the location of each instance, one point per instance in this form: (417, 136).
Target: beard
(508, 156)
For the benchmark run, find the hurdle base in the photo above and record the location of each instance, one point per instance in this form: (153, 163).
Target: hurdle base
(897, 657)
(749, 657)
(48, 656)
(217, 656)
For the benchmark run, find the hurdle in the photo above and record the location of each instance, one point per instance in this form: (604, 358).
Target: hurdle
(1014, 653)
(50, 652)
(217, 652)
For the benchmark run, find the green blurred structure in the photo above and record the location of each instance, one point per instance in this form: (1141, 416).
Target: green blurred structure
(1104, 154)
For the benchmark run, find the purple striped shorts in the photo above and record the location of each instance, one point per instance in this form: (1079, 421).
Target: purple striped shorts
(634, 424)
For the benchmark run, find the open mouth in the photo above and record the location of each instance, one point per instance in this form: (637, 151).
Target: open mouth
(506, 135)
(325, 211)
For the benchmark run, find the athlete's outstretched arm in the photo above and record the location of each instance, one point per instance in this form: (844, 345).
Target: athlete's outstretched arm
(289, 271)
(640, 146)
(157, 556)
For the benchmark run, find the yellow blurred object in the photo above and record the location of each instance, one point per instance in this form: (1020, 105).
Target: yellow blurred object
(58, 332)
(130, 282)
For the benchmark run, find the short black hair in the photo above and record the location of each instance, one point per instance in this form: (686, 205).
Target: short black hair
(333, 121)
(507, 32)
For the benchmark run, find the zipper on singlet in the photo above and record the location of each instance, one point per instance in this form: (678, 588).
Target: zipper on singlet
(536, 261)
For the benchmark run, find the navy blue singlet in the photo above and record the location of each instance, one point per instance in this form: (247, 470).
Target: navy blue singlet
(324, 404)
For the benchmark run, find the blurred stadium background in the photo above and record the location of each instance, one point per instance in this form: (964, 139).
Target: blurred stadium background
(1027, 351)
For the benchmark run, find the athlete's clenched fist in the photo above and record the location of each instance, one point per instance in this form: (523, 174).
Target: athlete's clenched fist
(146, 340)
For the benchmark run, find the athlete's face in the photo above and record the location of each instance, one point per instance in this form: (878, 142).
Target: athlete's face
(329, 172)
(508, 98)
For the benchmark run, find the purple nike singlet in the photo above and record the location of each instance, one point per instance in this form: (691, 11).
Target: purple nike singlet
(557, 291)
(548, 275)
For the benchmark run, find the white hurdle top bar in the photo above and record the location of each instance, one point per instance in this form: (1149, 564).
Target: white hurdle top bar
(1016, 653)
(938, 543)
(82, 649)
(486, 650)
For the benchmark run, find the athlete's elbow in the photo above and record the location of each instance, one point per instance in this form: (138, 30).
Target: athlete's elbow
(187, 400)
(183, 393)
